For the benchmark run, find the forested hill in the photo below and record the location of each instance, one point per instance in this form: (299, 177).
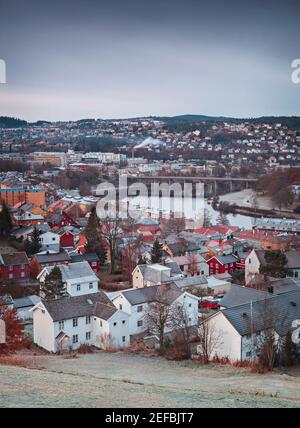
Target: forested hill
(11, 122)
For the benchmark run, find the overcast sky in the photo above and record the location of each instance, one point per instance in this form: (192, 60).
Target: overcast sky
(72, 59)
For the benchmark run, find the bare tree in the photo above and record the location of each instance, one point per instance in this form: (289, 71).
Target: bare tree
(159, 314)
(130, 257)
(209, 340)
(192, 264)
(110, 230)
(181, 324)
(173, 225)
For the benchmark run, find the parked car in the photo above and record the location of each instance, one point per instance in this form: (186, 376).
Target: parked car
(209, 304)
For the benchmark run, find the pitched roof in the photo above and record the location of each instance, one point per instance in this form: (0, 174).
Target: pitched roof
(74, 307)
(238, 295)
(74, 271)
(88, 257)
(284, 285)
(192, 281)
(224, 260)
(277, 312)
(63, 256)
(13, 259)
(105, 311)
(137, 296)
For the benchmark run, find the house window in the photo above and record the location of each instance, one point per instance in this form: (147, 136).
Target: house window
(140, 308)
(88, 335)
(101, 323)
(22, 274)
(249, 261)
(140, 323)
(75, 322)
(190, 305)
(120, 307)
(10, 276)
(88, 319)
(248, 354)
(22, 266)
(11, 268)
(94, 264)
(78, 287)
(123, 339)
(296, 274)
(123, 322)
(61, 325)
(75, 338)
(115, 324)
(91, 285)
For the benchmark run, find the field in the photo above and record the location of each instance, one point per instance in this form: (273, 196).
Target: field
(126, 380)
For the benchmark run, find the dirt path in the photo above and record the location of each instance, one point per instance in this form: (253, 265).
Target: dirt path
(125, 380)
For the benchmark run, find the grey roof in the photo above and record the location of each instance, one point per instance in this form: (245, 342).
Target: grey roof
(26, 302)
(63, 256)
(277, 312)
(105, 311)
(192, 281)
(75, 307)
(88, 257)
(284, 285)
(293, 259)
(74, 271)
(137, 296)
(175, 269)
(238, 295)
(226, 259)
(14, 259)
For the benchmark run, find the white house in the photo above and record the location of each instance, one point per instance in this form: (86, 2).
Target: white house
(50, 242)
(155, 274)
(135, 302)
(69, 322)
(238, 331)
(257, 258)
(79, 278)
(192, 265)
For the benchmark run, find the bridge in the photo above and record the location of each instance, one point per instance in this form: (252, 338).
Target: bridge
(210, 182)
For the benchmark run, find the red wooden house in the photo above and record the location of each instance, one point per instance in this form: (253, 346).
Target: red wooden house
(61, 220)
(67, 239)
(222, 264)
(14, 266)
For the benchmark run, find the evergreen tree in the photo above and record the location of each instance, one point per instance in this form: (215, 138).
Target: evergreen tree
(156, 252)
(289, 350)
(34, 245)
(6, 223)
(93, 237)
(275, 264)
(53, 286)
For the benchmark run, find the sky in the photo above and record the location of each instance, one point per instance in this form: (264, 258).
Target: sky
(74, 59)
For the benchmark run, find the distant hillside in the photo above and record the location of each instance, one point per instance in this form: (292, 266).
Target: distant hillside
(194, 118)
(290, 121)
(11, 122)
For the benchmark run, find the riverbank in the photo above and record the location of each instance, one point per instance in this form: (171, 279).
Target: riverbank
(244, 205)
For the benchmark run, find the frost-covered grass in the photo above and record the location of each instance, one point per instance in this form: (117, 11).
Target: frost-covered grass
(126, 380)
